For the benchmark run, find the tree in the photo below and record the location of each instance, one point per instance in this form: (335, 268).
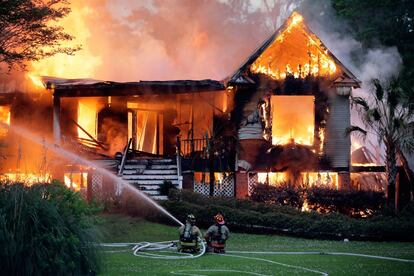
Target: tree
(390, 117)
(389, 22)
(27, 32)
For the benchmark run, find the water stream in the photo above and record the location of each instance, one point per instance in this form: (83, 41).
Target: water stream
(75, 157)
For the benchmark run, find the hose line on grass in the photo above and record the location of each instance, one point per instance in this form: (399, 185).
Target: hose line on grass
(142, 249)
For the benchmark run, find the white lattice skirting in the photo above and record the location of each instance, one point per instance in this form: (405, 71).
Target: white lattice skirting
(252, 180)
(226, 188)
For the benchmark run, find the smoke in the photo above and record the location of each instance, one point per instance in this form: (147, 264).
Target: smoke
(377, 62)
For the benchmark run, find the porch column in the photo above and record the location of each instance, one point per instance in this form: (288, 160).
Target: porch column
(56, 119)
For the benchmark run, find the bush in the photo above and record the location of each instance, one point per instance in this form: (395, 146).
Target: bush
(351, 203)
(45, 229)
(280, 195)
(166, 187)
(255, 217)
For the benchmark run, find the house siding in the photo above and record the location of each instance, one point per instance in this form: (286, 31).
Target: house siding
(338, 144)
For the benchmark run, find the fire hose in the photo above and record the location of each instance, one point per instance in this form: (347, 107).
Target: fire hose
(142, 249)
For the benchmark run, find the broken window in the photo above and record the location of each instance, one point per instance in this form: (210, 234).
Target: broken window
(293, 120)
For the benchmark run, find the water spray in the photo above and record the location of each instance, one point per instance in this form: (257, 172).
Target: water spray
(72, 156)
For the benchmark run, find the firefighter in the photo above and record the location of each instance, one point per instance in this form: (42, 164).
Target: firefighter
(217, 235)
(190, 236)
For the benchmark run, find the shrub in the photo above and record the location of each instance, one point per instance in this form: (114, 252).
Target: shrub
(255, 217)
(280, 195)
(165, 187)
(45, 229)
(351, 203)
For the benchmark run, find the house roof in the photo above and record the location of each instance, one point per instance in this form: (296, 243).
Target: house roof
(96, 88)
(240, 76)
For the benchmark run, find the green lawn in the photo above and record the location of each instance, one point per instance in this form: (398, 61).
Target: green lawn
(251, 262)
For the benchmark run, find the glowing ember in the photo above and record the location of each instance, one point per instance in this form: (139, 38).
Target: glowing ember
(305, 206)
(26, 178)
(295, 52)
(293, 120)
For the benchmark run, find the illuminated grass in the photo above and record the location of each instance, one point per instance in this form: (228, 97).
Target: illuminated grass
(124, 229)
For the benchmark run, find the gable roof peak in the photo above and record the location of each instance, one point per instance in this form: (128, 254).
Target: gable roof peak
(293, 49)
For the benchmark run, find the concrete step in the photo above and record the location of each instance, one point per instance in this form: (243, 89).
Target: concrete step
(137, 183)
(149, 177)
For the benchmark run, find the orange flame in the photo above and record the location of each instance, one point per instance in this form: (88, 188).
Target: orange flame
(318, 179)
(4, 119)
(36, 80)
(295, 52)
(81, 64)
(26, 178)
(87, 116)
(76, 180)
(288, 123)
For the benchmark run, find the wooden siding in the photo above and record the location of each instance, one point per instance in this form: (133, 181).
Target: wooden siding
(338, 144)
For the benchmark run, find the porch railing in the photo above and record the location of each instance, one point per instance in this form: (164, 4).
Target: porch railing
(189, 147)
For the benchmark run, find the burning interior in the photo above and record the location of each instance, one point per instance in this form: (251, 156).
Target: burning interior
(293, 120)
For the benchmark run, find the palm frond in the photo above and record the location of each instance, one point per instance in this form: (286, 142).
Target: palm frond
(361, 102)
(379, 91)
(355, 129)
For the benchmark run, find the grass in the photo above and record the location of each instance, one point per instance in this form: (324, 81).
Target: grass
(116, 228)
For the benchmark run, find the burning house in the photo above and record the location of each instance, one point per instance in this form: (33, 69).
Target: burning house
(281, 117)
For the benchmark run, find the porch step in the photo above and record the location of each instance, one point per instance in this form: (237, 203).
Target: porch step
(152, 175)
(152, 161)
(154, 167)
(148, 175)
(159, 197)
(159, 182)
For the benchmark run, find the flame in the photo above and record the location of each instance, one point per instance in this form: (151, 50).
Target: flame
(26, 178)
(76, 180)
(273, 178)
(321, 139)
(4, 119)
(295, 52)
(365, 164)
(36, 80)
(81, 64)
(289, 115)
(305, 206)
(87, 118)
(319, 179)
